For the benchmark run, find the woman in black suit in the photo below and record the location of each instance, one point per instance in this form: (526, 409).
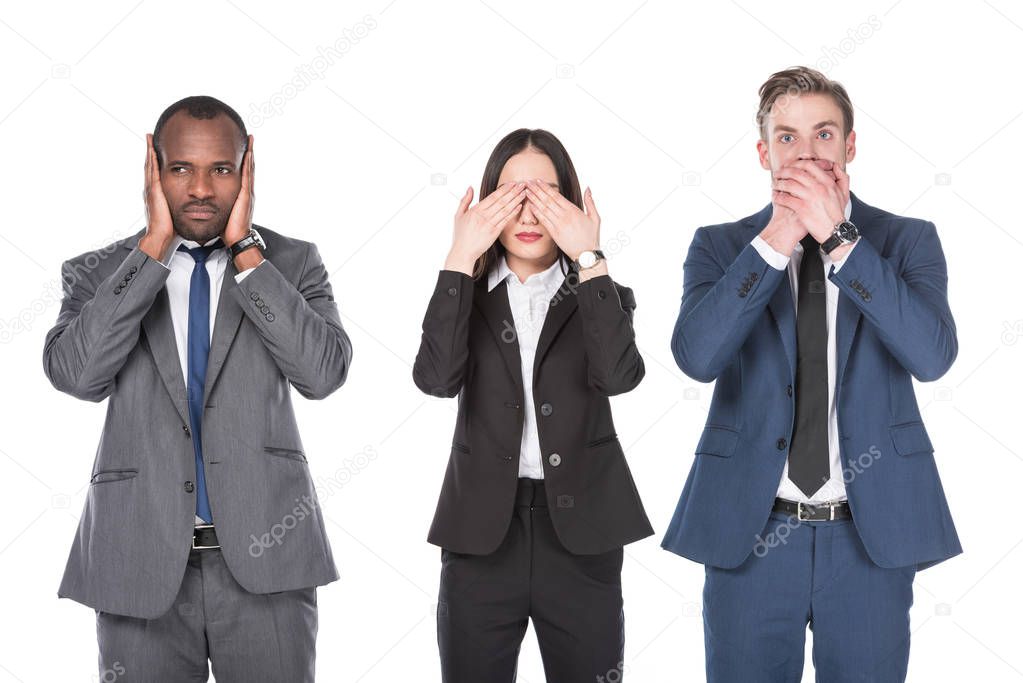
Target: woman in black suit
(528, 330)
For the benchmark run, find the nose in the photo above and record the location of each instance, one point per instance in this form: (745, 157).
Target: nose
(527, 217)
(200, 186)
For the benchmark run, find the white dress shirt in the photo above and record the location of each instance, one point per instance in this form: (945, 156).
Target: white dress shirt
(529, 302)
(834, 488)
(178, 283)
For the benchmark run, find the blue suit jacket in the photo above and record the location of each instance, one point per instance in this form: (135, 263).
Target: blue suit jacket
(737, 326)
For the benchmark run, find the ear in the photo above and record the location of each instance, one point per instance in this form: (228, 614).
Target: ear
(850, 146)
(765, 158)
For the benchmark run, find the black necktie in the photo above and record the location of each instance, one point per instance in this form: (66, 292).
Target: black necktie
(809, 460)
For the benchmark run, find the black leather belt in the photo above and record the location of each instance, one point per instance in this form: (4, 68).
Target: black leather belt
(204, 537)
(821, 512)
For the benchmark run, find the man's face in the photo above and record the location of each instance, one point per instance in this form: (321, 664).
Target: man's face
(200, 173)
(808, 126)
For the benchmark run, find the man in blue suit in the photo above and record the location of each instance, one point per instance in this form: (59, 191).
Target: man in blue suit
(814, 496)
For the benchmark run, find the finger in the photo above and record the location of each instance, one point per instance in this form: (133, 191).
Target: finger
(545, 220)
(463, 205)
(498, 207)
(499, 193)
(557, 201)
(815, 173)
(791, 187)
(506, 212)
(784, 199)
(542, 202)
(842, 178)
(794, 173)
(546, 195)
(251, 167)
(544, 213)
(591, 208)
(149, 160)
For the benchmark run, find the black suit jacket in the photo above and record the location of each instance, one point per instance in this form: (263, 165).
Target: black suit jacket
(585, 353)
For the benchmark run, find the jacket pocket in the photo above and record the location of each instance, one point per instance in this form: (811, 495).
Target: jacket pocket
(107, 476)
(290, 453)
(602, 440)
(910, 437)
(717, 440)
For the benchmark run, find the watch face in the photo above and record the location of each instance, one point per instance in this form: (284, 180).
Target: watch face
(587, 259)
(847, 231)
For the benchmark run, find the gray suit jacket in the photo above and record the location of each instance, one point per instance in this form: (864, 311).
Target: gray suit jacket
(114, 339)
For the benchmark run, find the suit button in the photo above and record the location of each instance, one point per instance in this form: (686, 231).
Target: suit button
(452, 291)
(601, 294)
(546, 409)
(269, 317)
(260, 303)
(117, 289)
(189, 487)
(753, 276)
(264, 309)
(133, 269)
(866, 296)
(187, 431)
(554, 459)
(742, 293)
(254, 296)
(782, 443)
(788, 390)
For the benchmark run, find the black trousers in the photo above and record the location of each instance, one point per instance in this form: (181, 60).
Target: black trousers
(575, 602)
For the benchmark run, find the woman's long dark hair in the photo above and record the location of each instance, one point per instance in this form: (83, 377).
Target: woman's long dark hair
(510, 145)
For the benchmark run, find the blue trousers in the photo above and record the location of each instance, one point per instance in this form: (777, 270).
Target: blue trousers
(807, 573)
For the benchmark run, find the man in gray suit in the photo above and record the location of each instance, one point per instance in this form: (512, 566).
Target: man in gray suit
(201, 539)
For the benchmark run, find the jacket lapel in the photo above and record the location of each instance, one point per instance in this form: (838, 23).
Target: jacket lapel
(783, 310)
(159, 331)
(496, 310)
(225, 327)
(848, 313)
(562, 305)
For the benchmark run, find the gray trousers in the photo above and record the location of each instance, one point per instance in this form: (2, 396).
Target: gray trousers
(248, 637)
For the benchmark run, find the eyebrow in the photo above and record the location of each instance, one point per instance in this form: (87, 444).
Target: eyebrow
(189, 163)
(822, 124)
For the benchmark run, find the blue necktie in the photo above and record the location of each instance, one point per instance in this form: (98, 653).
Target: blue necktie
(198, 355)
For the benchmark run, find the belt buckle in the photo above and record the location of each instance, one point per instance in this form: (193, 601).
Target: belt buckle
(799, 511)
(801, 506)
(202, 547)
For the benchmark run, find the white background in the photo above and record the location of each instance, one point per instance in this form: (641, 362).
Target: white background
(655, 102)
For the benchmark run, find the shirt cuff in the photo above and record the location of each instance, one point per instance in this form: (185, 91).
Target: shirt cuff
(242, 275)
(777, 260)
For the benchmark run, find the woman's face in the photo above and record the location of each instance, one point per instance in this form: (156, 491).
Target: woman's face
(523, 235)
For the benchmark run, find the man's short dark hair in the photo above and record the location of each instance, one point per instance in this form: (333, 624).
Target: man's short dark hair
(199, 107)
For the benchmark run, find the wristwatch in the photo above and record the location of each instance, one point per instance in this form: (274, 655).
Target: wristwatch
(845, 233)
(587, 259)
(253, 239)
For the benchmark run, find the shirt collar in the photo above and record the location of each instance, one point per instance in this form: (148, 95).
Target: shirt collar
(550, 278)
